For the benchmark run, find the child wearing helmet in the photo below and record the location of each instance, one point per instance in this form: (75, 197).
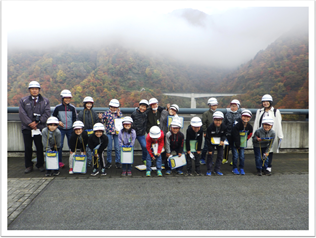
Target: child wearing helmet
(262, 140)
(89, 117)
(194, 132)
(139, 117)
(153, 114)
(242, 126)
(97, 143)
(217, 129)
(155, 136)
(207, 119)
(108, 118)
(174, 141)
(127, 137)
(51, 137)
(78, 142)
(231, 116)
(67, 115)
(268, 110)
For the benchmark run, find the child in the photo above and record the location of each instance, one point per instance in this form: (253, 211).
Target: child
(127, 136)
(207, 119)
(174, 141)
(153, 114)
(51, 137)
(97, 143)
(233, 113)
(216, 129)
(194, 132)
(89, 117)
(238, 151)
(139, 117)
(78, 142)
(269, 110)
(67, 115)
(108, 118)
(154, 136)
(262, 148)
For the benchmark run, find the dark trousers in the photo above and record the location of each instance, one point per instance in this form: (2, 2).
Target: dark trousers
(28, 150)
(204, 151)
(165, 160)
(228, 147)
(270, 159)
(218, 162)
(196, 163)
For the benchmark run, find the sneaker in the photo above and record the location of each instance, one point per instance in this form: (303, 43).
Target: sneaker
(71, 171)
(168, 172)
(28, 170)
(103, 173)
(198, 173)
(48, 174)
(219, 173)
(129, 173)
(235, 171)
(208, 173)
(148, 174)
(118, 165)
(123, 173)
(224, 161)
(108, 165)
(61, 165)
(89, 164)
(267, 172)
(242, 172)
(179, 172)
(202, 161)
(231, 163)
(56, 173)
(188, 174)
(259, 172)
(95, 172)
(269, 169)
(42, 169)
(159, 174)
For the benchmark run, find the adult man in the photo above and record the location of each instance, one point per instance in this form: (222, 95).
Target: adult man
(33, 111)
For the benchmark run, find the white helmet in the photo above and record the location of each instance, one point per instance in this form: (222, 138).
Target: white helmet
(246, 113)
(52, 120)
(153, 101)
(144, 101)
(155, 132)
(267, 97)
(212, 102)
(34, 84)
(196, 122)
(236, 102)
(218, 114)
(267, 120)
(98, 127)
(65, 94)
(114, 103)
(176, 122)
(78, 125)
(127, 120)
(174, 107)
(88, 99)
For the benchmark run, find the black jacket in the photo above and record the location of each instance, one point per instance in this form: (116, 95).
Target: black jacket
(240, 127)
(191, 135)
(89, 118)
(93, 141)
(73, 139)
(139, 122)
(152, 119)
(211, 132)
(174, 142)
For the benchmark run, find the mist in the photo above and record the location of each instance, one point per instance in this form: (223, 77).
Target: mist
(224, 40)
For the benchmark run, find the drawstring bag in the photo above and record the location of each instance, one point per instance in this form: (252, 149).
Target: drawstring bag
(79, 163)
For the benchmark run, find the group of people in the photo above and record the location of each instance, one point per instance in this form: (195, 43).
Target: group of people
(89, 133)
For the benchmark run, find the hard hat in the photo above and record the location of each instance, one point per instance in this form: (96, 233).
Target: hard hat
(98, 127)
(235, 101)
(155, 132)
(144, 101)
(196, 122)
(246, 113)
(34, 84)
(153, 101)
(114, 103)
(78, 125)
(88, 99)
(65, 94)
(176, 123)
(212, 102)
(218, 114)
(174, 107)
(267, 97)
(127, 120)
(267, 120)
(52, 120)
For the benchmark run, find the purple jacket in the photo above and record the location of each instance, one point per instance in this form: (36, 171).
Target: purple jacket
(127, 139)
(27, 110)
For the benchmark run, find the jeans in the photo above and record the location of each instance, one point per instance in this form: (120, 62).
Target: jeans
(258, 159)
(142, 142)
(270, 159)
(204, 150)
(28, 150)
(89, 154)
(196, 163)
(126, 167)
(116, 149)
(218, 162)
(238, 154)
(63, 132)
(158, 162)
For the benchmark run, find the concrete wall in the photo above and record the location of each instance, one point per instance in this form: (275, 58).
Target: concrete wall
(295, 136)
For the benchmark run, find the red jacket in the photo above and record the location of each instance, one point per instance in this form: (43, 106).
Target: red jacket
(149, 142)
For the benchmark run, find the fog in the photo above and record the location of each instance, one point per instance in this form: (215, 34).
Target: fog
(225, 39)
